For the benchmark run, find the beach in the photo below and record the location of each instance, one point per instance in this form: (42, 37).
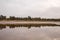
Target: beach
(29, 22)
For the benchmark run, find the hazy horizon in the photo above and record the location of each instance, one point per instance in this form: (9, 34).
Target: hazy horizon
(33, 8)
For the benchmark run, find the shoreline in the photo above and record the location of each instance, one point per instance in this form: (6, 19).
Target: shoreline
(32, 23)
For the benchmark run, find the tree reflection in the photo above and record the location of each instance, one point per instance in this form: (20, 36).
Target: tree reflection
(25, 25)
(2, 27)
(12, 26)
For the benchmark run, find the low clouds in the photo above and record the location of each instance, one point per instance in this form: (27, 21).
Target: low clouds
(34, 8)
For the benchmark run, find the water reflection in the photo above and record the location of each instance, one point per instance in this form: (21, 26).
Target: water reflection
(28, 26)
(34, 33)
(29, 32)
(2, 27)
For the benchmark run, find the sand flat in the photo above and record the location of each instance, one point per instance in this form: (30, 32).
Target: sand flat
(29, 22)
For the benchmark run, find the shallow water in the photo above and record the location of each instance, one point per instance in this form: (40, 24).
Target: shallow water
(33, 33)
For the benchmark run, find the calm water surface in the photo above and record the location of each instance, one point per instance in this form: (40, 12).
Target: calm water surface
(33, 33)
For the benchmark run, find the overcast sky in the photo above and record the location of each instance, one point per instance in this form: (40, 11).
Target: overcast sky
(33, 8)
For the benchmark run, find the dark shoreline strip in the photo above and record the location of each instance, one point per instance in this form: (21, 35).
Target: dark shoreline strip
(2, 26)
(29, 25)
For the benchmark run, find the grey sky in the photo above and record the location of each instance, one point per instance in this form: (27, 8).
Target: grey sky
(33, 8)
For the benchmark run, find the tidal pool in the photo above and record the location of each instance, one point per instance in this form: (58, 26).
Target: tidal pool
(33, 33)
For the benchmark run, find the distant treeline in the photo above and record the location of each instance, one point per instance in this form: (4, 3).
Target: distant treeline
(27, 18)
